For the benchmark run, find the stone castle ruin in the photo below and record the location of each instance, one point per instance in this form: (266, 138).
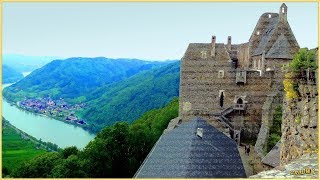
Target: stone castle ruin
(232, 86)
(233, 90)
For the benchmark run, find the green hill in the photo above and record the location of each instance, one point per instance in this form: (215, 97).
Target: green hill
(129, 99)
(9, 75)
(75, 77)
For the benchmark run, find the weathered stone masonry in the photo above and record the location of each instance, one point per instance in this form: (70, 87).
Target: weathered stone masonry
(300, 124)
(227, 84)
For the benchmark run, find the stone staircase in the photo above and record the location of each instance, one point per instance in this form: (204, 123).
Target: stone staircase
(221, 116)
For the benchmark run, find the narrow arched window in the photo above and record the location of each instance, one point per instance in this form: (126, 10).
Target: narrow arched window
(239, 101)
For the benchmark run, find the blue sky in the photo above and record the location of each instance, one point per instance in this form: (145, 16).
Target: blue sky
(152, 31)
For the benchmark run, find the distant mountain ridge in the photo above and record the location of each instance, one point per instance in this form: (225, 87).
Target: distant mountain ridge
(23, 63)
(9, 75)
(75, 77)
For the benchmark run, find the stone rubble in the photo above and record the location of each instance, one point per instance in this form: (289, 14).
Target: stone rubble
(308, 161)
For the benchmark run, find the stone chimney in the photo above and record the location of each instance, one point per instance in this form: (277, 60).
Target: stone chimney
(283, 12)
(200, 132)
(213, 46)
(229, 43)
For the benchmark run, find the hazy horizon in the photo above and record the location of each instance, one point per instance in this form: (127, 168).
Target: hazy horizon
(64, 58)
(147, 31)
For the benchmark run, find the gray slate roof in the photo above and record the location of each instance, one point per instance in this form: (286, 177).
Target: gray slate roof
(273, 157)
(280, 49)
(180, 153)
(266, 34)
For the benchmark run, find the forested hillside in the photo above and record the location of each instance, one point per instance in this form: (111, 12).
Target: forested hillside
(129, 99)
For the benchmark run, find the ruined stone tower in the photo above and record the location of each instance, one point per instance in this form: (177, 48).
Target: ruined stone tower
(228, 84)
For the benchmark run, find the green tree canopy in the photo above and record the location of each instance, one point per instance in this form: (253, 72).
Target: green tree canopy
(304, 59)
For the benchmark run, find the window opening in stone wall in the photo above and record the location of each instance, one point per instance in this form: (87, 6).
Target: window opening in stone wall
(283, 10)
(203, 54)
(239, 101)
(220, 74)
(258, 32)
(268, 31)
(269, 15)
(235, 63)
(221, 99)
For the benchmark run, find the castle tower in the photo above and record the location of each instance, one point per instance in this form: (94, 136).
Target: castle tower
(229, 43)
(213, 46)
(283, 12)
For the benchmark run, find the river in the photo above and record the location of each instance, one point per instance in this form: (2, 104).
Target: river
(46, 128)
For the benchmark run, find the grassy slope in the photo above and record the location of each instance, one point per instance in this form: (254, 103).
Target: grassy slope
(16, 150)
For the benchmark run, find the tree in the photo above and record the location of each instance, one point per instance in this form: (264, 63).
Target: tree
(96, 159)
(304, 59)
(118, 145)
(72, 167)
(275, 129)
(40, 166)
(73, 150)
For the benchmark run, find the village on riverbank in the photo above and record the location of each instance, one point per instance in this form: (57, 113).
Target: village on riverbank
(58, 109)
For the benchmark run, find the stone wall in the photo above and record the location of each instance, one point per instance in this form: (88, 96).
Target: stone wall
(276, 65)
(243, 55)
(300, 124)
(268, 109)
(303, 167)
(271, 65)
(201, 87)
